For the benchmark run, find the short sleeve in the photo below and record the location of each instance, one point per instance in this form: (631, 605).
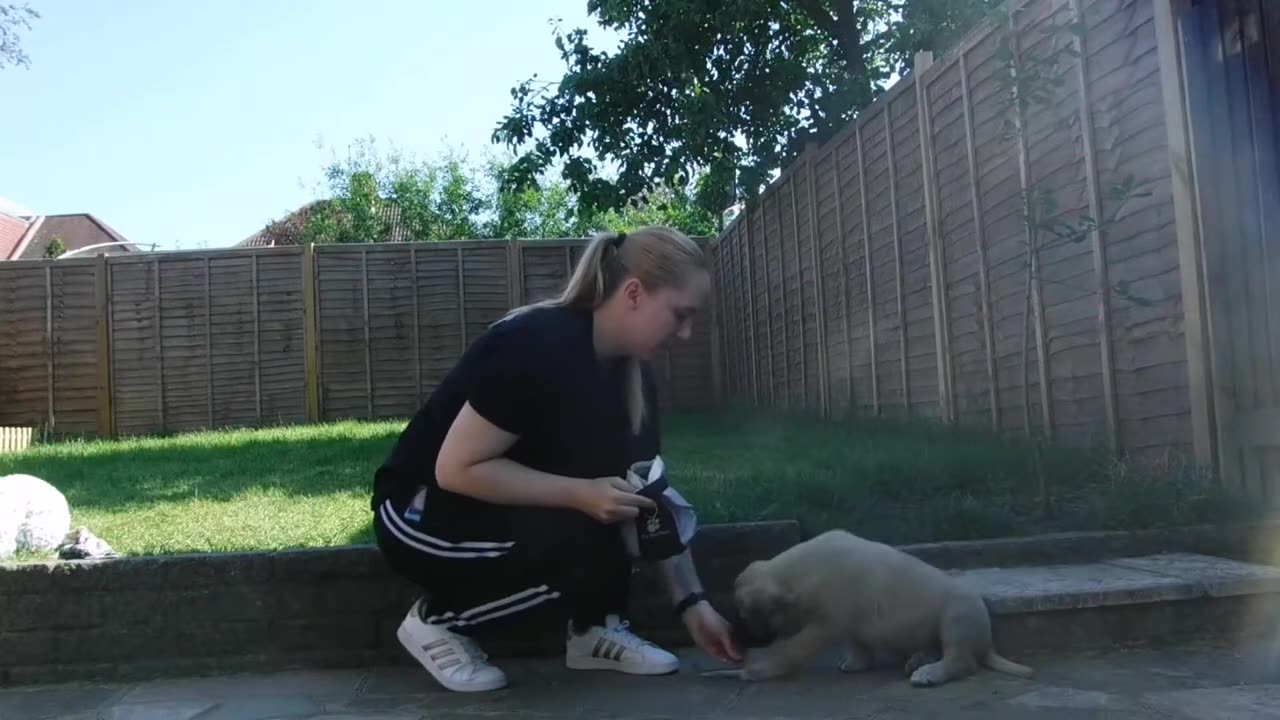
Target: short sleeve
(512, 383)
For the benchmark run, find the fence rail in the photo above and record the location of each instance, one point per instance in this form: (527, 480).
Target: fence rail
(171, 342)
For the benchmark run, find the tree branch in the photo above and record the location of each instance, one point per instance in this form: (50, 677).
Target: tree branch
(844, 29)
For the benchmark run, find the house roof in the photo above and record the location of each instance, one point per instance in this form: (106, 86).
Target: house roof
(288, 230)
(77, 230)
(12, 230)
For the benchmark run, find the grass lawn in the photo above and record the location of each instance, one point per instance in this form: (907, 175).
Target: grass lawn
(895, 481)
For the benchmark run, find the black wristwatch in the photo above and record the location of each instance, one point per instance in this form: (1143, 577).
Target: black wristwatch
(689, 601)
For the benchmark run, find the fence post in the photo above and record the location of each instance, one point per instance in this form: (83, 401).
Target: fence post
(368, 342)
(102, 290)
(1037, 301)
(515, 274)
(1206, 425)
(819, 289)
(869, 269)
(48, 343)
(980, 241)
(837, 186)
(311, 331)
(1099, 251)
(937, 268)
(208, 342)
(768, 289)
(717, 374)
(159, 341)
(746, 250)
(795, 245)
(897, 257)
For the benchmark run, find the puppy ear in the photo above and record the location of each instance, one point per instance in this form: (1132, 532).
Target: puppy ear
(780, 605)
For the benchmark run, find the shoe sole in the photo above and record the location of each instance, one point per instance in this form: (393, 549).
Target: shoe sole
(413, 647)
(591, 663)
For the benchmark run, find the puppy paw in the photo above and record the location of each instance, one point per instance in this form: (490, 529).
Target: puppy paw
(917, 661)
(759, 671)
(929, 675)
(854, 660)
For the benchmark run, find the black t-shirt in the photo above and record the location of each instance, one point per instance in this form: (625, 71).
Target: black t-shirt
(535, 375)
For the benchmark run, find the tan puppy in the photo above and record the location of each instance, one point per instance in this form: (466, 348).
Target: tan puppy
(869, 599)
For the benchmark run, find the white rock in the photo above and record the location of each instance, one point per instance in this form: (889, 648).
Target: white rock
(34, 516)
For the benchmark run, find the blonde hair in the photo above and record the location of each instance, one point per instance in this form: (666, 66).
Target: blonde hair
(657, 256)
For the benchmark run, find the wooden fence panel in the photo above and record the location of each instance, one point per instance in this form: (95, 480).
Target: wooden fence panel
(440, 337)
(546, 267)
(282, 339)
(346, 376)
(857, 263)
(1141, 247)
(918, 231)
(24, 394)
(961, 247)
(73, 320)
(184, 334)
(760, 318)
(917, 286)
(232, 372)
(484, 265)
(883, 248)
(183, 341)
(136, 361)
(831, 270)
(391, 331)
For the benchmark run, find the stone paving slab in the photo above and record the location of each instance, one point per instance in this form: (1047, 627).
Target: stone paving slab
(1071, 587)
(1123, 581)
(1221, 577)
(1182, 683)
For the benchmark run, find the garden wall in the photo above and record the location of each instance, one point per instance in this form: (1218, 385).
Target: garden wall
(222, 612)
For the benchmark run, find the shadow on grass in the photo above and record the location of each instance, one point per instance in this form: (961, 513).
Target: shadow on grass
(915, 480)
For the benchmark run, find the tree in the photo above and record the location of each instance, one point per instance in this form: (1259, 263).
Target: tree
(55, 248)
(372, 195)
(12, 18)
(713, 93)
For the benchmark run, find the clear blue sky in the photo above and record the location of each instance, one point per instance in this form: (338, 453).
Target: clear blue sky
(191, 124)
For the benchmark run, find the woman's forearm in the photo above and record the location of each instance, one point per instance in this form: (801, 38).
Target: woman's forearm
(680, 575)
(506, 482)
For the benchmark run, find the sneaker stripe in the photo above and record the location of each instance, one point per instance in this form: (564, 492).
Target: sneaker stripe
(394, 524)
(617, 651)
(389, 510)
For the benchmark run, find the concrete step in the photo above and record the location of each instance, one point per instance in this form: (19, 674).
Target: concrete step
(1126, 601)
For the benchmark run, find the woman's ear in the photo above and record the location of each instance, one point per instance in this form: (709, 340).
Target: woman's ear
(631, 292)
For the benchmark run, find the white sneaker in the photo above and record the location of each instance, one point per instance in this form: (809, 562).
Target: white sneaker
(615, 647)
(455, 661)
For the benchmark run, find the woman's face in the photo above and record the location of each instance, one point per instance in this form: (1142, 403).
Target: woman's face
(657, 316)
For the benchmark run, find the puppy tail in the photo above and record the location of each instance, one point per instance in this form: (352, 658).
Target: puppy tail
(999, 663)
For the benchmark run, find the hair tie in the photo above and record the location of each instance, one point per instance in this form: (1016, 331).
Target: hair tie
(617, 240)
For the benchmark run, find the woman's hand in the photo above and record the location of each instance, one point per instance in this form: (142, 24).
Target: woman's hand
(711, 632)
(610, 500)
